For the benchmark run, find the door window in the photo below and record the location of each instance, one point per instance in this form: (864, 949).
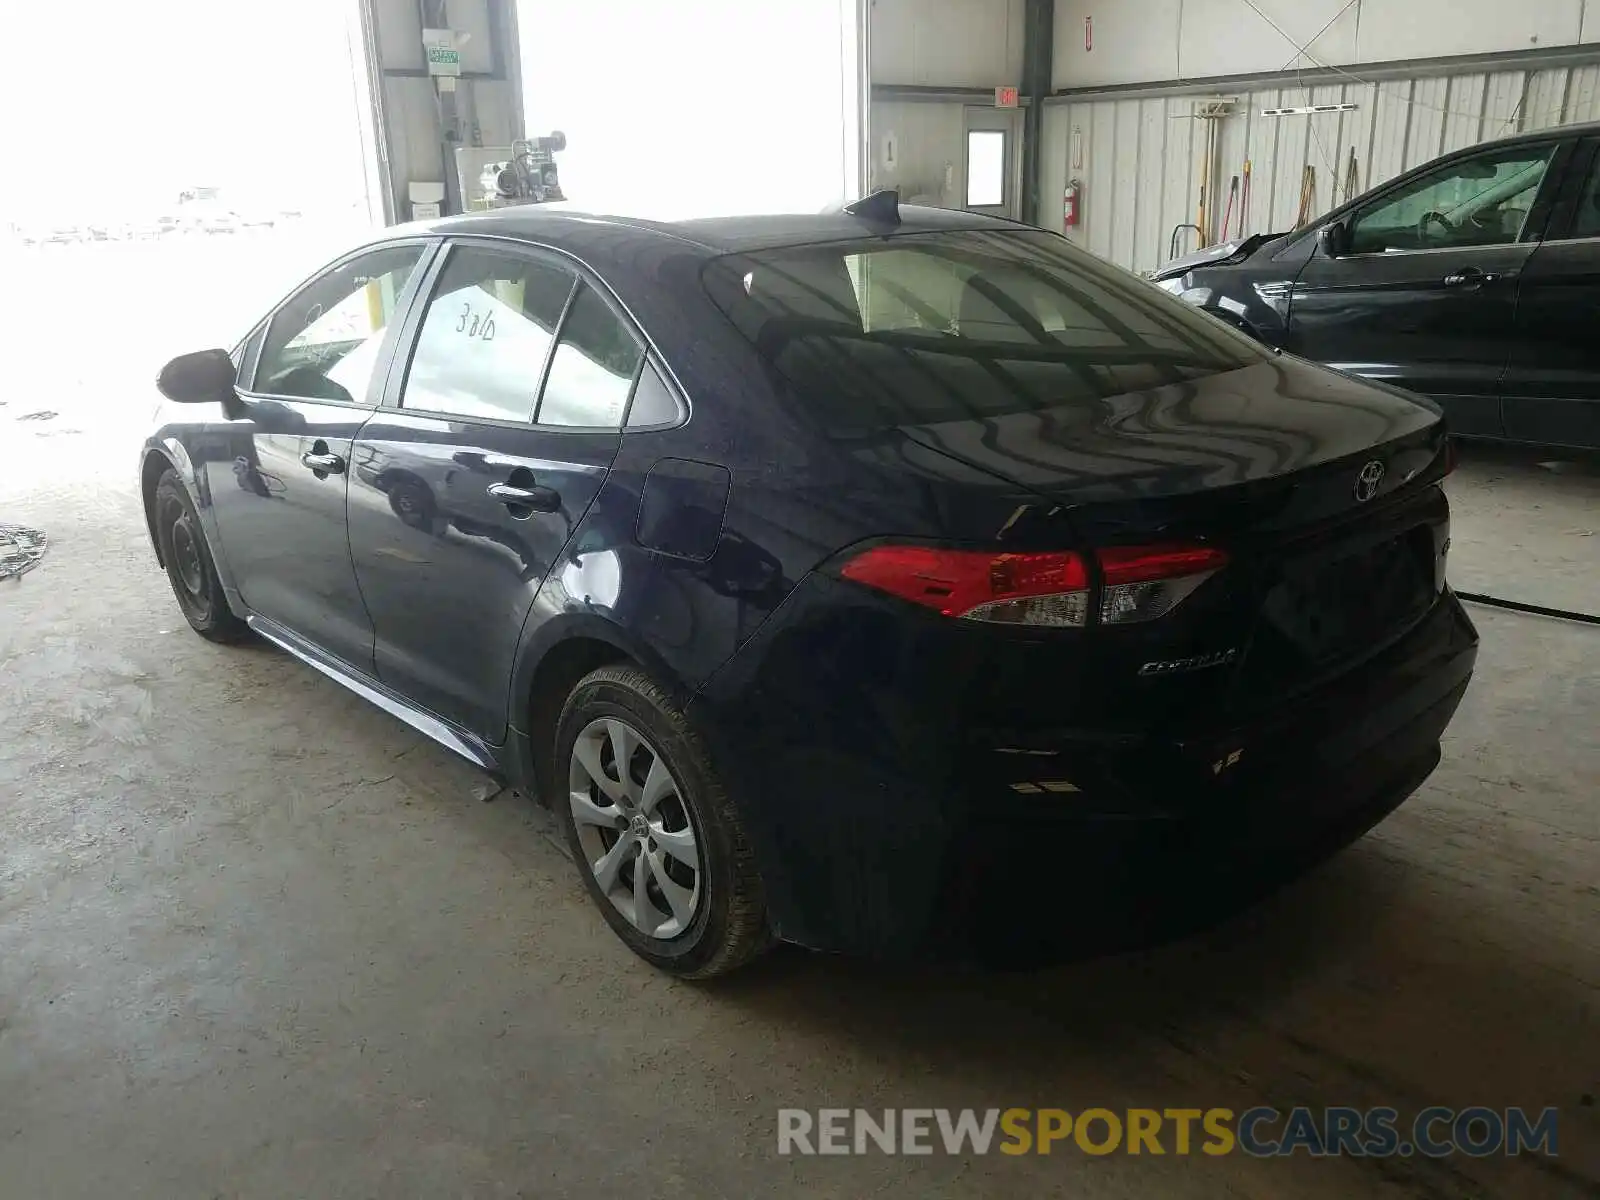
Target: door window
(593, 369)
(323, 344)
(486, 335)
(986, 168)
(1586, 219)
(1479, 201)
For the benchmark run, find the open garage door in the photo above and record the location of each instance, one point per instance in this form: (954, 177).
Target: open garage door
(717, 107)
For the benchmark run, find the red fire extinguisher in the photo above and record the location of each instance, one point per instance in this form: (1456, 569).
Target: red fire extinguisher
(1069, 204)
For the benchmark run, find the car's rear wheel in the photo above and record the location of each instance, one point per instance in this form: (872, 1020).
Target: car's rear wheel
(657, 840)
(190, 570)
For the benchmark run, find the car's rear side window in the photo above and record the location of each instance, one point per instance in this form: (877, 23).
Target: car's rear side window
(592, 372)
(924, 328)
(486, 335)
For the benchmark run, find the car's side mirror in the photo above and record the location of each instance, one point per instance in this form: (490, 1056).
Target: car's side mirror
(204, 377)
(1334, 238)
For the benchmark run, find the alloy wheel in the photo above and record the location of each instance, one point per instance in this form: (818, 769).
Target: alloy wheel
(635, 829)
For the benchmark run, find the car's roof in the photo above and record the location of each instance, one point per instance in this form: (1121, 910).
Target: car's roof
(717, 235)
(1584, 129)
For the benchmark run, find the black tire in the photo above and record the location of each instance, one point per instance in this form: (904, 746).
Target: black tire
(729, 926)
(189, 567)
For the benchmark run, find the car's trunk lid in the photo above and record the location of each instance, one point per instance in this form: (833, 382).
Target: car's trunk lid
(1319, 488)
(1272, 446)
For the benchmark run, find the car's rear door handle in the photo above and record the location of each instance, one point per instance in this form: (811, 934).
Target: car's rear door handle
(1471, 277)
(322, 461)
(539, 499)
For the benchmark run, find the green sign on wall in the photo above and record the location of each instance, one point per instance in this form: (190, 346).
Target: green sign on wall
(443, 60)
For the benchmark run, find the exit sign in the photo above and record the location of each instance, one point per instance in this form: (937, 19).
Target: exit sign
(1005, 97)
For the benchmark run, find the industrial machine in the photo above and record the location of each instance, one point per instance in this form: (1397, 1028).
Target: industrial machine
(492, 177)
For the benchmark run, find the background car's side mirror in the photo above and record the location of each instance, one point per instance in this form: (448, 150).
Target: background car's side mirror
(1334, 238)
(204, 377)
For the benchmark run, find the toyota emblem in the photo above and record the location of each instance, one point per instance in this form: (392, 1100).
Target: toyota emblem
(1367, 481)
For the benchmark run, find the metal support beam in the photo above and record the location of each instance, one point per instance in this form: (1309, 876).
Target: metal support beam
(855, 47)
(435, 14)
(936, 94)
(1038, 59)
(1543, 59)
(419, 124)
(507, 60)
(368, 67)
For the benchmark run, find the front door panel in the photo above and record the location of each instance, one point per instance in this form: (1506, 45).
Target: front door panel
(1424, 292)
(280, 493)
(283, 522)
(1437, 322)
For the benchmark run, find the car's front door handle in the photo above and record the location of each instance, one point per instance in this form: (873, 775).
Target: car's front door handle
(539, 499)
(322, 461)
(1470, 277)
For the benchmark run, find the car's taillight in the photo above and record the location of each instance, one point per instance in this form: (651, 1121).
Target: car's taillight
(1146, 582)
(1140, 583)
(1021, 589)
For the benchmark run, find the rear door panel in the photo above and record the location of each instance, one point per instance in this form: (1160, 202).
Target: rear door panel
(449, 569)
(1551, 391)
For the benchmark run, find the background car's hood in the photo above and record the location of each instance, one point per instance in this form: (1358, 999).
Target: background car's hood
(1239, 247)
(1264, 421)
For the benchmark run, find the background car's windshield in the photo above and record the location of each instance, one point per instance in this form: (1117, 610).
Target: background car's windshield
(928, 328)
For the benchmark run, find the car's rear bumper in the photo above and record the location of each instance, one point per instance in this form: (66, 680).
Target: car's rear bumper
(1074, 842)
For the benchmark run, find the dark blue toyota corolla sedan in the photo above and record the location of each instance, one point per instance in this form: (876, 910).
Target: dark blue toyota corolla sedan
(899, 582)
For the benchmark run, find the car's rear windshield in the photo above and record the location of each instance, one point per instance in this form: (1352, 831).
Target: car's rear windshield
(926, 328)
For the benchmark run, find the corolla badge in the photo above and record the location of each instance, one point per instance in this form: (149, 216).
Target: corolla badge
(1367, 481)
(1198, 662)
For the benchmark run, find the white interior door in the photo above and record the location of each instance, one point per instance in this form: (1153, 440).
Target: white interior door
(990, 181)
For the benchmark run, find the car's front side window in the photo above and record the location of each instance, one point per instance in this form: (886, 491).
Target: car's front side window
(1479, 201)
(324, 342)
(487, 332)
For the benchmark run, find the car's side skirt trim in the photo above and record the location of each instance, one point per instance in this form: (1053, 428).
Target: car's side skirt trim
(464, 744)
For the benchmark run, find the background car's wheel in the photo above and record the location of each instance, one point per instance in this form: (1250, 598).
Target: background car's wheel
(189, 566)
(655, 836)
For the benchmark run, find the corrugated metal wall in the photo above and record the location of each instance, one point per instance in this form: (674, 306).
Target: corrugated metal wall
(1139, 160)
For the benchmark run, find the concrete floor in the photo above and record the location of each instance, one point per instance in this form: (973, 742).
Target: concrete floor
(259, 939)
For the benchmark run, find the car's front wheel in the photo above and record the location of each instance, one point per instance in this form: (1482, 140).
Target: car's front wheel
(190, 570)
(656, 838)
